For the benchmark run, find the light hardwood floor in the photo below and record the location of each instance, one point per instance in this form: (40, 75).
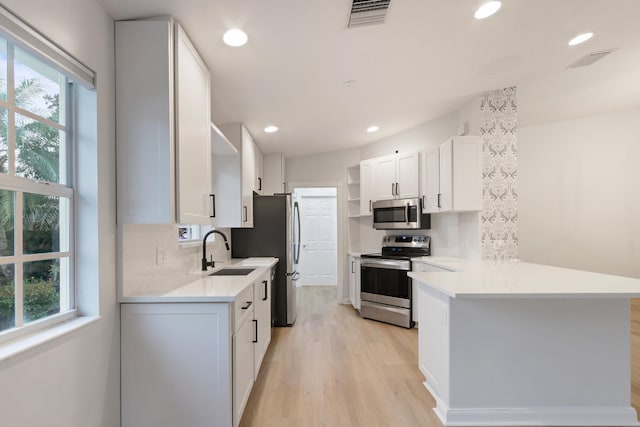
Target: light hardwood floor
(333, 368)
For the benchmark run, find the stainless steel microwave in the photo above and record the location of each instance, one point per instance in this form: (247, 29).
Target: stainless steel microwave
(400, 214)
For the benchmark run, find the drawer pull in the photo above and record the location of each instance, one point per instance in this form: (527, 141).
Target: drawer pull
(255, 322)
(247, 305)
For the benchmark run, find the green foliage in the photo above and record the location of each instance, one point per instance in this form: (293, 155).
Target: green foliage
(37, 157)
(41, 299)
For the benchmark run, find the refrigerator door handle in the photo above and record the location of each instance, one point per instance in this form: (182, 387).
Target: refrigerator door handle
(296, 213)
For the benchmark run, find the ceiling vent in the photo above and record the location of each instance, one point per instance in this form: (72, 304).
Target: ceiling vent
(590, 58)
(368, 12)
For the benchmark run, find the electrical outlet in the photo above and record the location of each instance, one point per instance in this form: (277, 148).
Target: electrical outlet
(160, 258)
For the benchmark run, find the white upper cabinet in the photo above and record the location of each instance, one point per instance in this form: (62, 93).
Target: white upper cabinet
(454, 181)
(430, 181)
(258, 167)
(407, 175)
(233, 180)
(162, 115)
(384, 178)
(396, 176)
(366, 187)
(274, 174)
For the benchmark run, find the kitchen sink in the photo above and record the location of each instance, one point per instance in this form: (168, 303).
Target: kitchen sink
(232, 272)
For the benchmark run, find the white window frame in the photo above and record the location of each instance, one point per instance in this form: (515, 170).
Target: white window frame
(20, 185)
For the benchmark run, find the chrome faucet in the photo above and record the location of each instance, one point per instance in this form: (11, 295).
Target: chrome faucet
(211, 263)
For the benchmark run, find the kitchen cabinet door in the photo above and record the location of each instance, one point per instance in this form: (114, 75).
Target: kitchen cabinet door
(243, 364)
(176, 366)
(366, 187)
(233, 180)
(193, 145)
(461, 174)
(384, 180)
(430, 182)
(396, 176)
(162, 125)
(258, 185)
(354, 282)
(407, 175)
(274, 174)
(262, 314)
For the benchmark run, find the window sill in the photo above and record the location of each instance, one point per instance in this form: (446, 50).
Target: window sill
(190, 244)
(28, 342)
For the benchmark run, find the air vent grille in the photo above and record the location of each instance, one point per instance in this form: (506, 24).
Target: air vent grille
(590, 58)
(368, 12)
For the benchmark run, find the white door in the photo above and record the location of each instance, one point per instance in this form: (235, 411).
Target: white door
(318, 220)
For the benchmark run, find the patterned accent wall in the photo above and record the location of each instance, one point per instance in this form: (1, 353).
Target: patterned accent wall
(499, 216)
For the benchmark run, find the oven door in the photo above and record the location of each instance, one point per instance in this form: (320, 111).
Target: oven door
(385, 281)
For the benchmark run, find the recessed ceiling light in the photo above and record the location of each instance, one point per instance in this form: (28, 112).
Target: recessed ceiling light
(487, 9)
(235, 37)
(581, 38)
(373, 129)
(349, 83)
(271, 129)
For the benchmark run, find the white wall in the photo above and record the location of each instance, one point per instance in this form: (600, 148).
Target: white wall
(579, 183)
(321, 168)
(74, 381)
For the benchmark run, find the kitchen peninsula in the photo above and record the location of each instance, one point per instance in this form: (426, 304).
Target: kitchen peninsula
(514, 343)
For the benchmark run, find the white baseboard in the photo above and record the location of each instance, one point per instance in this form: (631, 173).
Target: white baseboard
(588, 416)
(569, 416)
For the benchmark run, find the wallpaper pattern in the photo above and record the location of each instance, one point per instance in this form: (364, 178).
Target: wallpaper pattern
(499, 216)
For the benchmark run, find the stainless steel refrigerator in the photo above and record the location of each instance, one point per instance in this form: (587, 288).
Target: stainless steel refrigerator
(275, 233)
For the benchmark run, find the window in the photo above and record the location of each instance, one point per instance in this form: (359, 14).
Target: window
(36, 192)
(192, 232)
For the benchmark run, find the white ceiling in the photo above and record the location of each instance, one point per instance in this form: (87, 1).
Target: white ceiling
(427, 59)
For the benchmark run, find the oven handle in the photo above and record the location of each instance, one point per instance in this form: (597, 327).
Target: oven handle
(390, 264)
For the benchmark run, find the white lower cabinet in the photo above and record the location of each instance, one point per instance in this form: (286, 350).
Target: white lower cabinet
(176, 361)
(415, 305)
(193, 364)
(354, 281)
(434, 334)
(262, 319)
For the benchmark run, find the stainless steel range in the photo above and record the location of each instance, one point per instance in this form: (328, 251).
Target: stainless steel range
(385, 287)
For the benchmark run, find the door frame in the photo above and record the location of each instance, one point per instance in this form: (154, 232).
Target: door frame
(341, 217)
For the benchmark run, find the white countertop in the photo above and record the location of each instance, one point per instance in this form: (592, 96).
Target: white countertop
(515, 279)
(206, 288)
(354, 254)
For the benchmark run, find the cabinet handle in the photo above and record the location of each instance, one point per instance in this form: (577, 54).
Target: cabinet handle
(259, 184)
(353, 267)
(397, 191)
(369, 205)
(213, 205)
(439, 200)
(393, 189)
(247, 305)
(255, 323)
(423, 202)
(265, 291)
(245, 213)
